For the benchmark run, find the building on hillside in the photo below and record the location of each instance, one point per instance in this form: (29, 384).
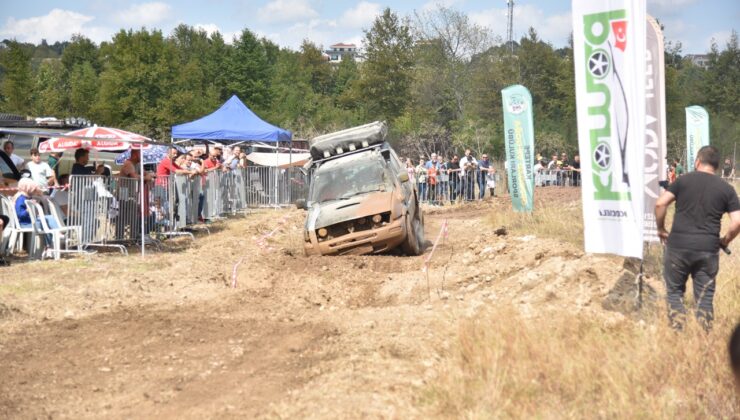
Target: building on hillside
(699, 60)
(337, 52)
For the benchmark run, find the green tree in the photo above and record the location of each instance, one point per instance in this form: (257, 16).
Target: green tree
(17, 83)
(319, 72)
(80, 50)
(386, 73)
(50, 89)
(83, 90)
(248, 70)
(137, 82)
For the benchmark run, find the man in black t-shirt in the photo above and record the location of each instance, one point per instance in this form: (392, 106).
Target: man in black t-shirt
(82, 157)
(702, 198)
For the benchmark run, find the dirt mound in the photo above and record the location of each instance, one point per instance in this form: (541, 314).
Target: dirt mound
(321, 337)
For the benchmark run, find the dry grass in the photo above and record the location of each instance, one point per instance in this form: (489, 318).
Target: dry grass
(549, 220)
(559, 366)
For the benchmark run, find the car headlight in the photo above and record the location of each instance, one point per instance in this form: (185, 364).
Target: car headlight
(377, 218)
(323, 232)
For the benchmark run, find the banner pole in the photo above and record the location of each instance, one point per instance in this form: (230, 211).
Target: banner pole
(141, 187)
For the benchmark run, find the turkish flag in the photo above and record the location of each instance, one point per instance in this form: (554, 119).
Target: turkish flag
(620, 34)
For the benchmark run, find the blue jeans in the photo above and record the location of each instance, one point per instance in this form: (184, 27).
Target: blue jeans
(481, 186)
(51, 222)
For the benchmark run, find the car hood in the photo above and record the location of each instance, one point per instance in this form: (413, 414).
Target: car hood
(332, 212)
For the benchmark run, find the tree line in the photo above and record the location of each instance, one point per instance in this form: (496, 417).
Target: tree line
(435, 76)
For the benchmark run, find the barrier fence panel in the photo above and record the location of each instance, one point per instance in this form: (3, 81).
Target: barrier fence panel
(127, 191)
(456, 185)
(90, 208)
(213, 203)
(557, 177)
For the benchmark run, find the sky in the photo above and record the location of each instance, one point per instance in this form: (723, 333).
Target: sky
(694, 23)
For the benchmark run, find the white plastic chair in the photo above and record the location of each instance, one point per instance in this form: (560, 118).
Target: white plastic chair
(15, 240)
(42, 228)
(56, 212)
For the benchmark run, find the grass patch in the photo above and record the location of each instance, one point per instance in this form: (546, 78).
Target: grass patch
(562, 221)
(504, 365)
(564, 367)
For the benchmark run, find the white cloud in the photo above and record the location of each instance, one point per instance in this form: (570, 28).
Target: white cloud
(57, 25)
(286, 11)
(324, 32)
(361, 16)
(720, 38)
(145, 14)
(211, 28)
(553, 28)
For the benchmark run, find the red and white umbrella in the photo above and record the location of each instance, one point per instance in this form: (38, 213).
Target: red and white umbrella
(95, 138)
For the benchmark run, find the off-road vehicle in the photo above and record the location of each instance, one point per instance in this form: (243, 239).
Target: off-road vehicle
(360, 200)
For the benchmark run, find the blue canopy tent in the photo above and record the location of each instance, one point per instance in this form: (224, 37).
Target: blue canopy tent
(233, 121)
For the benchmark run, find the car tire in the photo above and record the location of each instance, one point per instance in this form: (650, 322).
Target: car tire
(411, 245)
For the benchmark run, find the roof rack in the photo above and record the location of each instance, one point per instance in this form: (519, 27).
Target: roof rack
(349, 140)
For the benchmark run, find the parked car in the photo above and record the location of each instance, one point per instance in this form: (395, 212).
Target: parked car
(10, 177)
(360, 200)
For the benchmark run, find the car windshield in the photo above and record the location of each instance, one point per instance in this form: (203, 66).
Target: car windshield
(348, 180)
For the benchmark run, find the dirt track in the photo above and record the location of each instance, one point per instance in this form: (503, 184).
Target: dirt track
(167, 337)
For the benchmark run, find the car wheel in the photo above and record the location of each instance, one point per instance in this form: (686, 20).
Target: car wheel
(410, 245)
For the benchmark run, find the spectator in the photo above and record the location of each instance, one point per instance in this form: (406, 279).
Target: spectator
(213, 163)
(219, 153)
(410, 170)
(728, 171)
(82, 158)
(540, 166)
(421, 180)
(9, 147)
(693, 245)
(469, 170)
(679, 168)
(234, 159)
(61, 195)
(553, 164)
(733, 348)
(27, 189)
(432, 168)
(132, 166)
(442, 180)
(168, 166)
(41, 172)
(4, 221)
(453, 169)
(575, 167)
(53, 162)
(486, 170)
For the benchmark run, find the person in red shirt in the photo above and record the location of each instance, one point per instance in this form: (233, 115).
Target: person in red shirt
(167, 166)
(212, 163)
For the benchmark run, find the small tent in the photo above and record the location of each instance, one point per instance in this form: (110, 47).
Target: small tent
(233, 121)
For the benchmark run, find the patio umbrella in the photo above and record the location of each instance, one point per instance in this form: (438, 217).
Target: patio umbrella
(95, 138)
(152, 154)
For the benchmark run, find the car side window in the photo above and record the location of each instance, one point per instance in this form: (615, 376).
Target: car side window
(5, 168)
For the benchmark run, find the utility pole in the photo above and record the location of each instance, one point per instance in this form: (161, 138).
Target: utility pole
(510, 25)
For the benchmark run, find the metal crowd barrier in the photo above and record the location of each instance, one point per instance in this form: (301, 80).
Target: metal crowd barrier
(109, 208)
(93, 207)
(557, 177)
(456, 185)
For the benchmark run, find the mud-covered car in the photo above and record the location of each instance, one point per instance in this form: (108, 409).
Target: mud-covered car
(360, 200)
